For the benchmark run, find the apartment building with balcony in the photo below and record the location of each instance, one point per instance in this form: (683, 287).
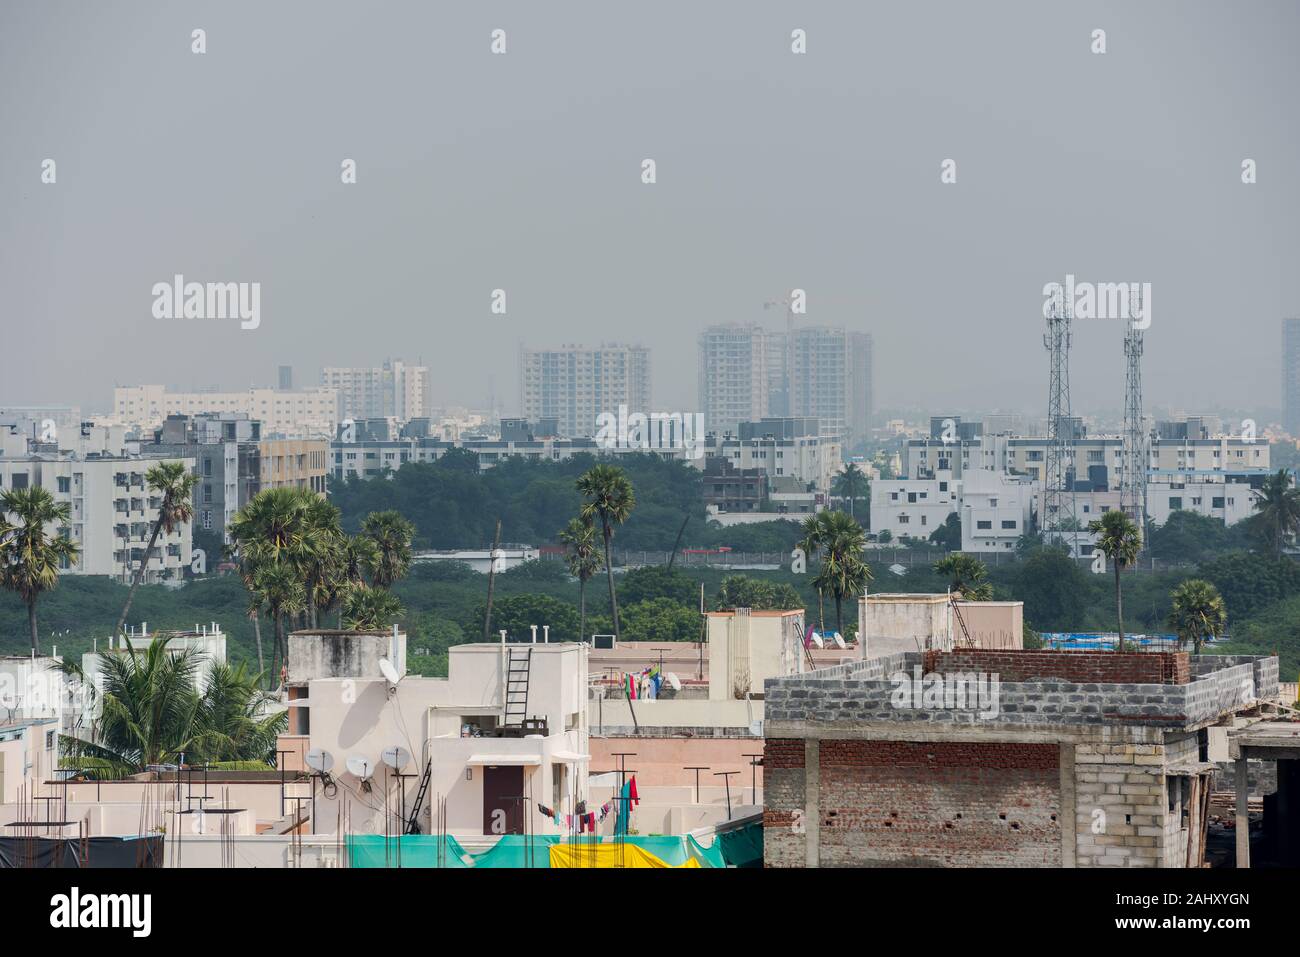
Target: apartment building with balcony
(112, 511)
(575, 384)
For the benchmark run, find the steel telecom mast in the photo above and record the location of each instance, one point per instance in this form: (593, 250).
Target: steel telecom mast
(1058, 487)
(1136, 461)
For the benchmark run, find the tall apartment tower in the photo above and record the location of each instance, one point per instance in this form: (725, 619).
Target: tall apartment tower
(394, 389)
(575, 384)
(738, 376)
(830, 378)
(1291, 376)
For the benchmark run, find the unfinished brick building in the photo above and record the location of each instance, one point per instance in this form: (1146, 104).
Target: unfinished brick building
(1068, 759)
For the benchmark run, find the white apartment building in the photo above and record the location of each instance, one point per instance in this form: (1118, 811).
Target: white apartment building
(575, 385)
(808, 459)
(1221, 495)
(996, 509)
(112, 509)
(304, 413)
(913, 507)
(396, 389)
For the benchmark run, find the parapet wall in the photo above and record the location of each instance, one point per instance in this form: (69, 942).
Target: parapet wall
(869, 691)
(1141, 667)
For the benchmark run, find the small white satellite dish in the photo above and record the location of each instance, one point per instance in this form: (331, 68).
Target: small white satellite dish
(817, 640)
(396, 757)
(388, 671)
(319, 760)
(360, 767)
(898, 569)
(674, 682)
(839, 641)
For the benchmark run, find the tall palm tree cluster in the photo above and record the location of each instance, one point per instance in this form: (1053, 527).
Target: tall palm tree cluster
(153, 713)
(609, 499)
(836, 541)
(298, 565)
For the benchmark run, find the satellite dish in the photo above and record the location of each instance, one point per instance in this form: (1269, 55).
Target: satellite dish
(674, 682)
(817, 640)
(396, 757)
(839, 641)
(360, 767)
(388, 671)
(319, 760)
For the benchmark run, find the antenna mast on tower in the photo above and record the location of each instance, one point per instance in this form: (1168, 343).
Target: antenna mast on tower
(1136, 461)
(1058, 489)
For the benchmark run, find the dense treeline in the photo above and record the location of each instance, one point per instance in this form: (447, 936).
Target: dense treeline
(453, 505)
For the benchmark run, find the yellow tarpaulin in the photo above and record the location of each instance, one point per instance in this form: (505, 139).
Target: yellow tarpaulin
(607, 855)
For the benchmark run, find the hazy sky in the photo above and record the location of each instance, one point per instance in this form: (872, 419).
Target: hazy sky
(523, 171)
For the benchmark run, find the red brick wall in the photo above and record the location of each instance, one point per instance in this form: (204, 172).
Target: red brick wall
(893, 803)
(1109, 667)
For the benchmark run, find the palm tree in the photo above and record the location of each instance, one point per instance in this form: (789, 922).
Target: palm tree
(368, 609)
(278, 588)
(847, 483)
(1119, 540)
(844, 573)
(1198, 612)
(152, 713)
(810, 544)
(609, 497)
(175, 483)
(356, 560)
(29, 558)
(293, 529)
(1277, 507)
(392, 534)
(967, 574)
(583, 559)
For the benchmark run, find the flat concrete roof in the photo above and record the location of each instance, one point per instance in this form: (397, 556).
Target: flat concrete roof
(1270, 740)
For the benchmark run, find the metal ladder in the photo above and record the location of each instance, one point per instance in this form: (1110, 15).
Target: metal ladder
(966, 641)
(413, 823)
(519, 663)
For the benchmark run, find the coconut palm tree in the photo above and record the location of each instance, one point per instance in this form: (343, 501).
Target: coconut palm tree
(367, 609)
(152, 713)
(1277, 508)
(844, 573)
(1198, 612)
(392, 534)
(1120, 541)
(968, 576)
(609, 497)
(355, 562)
(30, 558)
(584, 560)
(175, 484)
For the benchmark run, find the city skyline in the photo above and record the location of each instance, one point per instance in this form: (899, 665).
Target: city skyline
(527, 180)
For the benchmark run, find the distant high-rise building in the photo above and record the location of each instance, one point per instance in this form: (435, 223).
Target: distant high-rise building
(747, 372)
(830, 378)
(1291, 376)
(573, 385)
(395, 389)
(286, 378)
(736, 375)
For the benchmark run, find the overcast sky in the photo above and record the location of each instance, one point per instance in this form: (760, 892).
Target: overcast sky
(523, 172)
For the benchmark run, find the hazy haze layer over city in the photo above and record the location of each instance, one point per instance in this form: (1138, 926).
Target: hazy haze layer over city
(523, 172)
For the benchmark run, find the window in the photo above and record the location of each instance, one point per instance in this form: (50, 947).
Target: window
(49, 740)
(65, 484)
(923, 519)
(1009, 523)
(1216, 501)
(18, 480)
(984, 523)
(1175, 501)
